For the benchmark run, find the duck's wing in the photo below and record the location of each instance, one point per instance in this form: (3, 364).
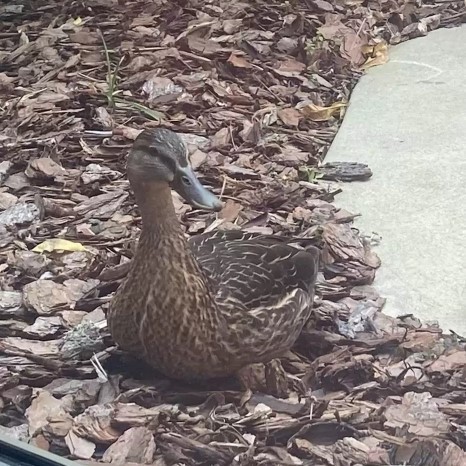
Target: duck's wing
(263, 287)
(211, 249)
(255, 268)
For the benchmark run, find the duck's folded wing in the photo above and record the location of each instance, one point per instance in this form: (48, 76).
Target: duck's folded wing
(266, 297)
(263, 287)
(254, 269)
(210, 248)
(261, 275)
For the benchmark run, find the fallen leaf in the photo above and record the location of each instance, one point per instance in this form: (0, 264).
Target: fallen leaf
(318, 113)
(60, 245)
(351, 42)
(377, 55)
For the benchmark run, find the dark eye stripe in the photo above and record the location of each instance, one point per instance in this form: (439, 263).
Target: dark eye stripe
(168, 161)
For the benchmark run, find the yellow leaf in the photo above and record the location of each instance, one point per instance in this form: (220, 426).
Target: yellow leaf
(318, 113)
(78, 21)
(59, 244)
(378, 55)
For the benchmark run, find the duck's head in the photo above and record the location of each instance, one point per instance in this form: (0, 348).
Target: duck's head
(158, 156)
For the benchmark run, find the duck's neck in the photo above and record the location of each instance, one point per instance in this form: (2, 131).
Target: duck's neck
(163, 251)
(159, 220)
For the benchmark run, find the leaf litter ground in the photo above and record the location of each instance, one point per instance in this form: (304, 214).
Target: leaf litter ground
(257, 89)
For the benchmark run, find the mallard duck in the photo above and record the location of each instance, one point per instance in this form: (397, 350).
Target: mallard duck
(207, 306)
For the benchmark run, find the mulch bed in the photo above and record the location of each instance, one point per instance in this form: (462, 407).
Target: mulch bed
(258, 90)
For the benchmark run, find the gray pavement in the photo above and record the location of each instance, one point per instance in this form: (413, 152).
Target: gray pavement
(407, 121)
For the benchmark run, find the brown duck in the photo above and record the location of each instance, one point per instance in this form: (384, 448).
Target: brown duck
(212, 304)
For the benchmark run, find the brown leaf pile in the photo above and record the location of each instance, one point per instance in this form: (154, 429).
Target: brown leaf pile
(257, 89)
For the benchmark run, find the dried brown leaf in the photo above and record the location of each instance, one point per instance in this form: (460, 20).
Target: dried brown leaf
(319, 113)
(376, 55)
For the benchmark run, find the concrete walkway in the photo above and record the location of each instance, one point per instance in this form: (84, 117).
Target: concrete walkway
(407, 121)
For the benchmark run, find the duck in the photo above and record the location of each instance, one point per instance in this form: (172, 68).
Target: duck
(209, 305)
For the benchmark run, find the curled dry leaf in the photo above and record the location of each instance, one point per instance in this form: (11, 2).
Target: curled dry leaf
(352, 43)
(318, 113)
(376, 55)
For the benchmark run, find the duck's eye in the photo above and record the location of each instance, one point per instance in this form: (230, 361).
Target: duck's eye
(186, 180)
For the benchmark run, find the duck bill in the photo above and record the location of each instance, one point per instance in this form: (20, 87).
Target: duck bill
(190, 188)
